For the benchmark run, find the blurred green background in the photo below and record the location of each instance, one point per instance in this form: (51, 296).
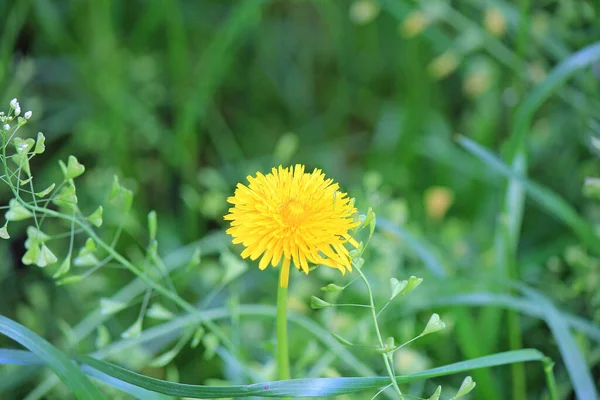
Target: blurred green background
(183, 99)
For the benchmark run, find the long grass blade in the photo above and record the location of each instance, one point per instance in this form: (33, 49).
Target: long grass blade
(579, 373)
(23, 357)
(64, 368)
(304, 387)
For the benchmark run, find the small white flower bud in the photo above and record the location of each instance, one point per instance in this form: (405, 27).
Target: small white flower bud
(27, 115)
(17, 110)
(14, 103)
(6, 127)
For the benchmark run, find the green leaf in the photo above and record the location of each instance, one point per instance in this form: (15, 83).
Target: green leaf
(372, 222)
(32, 254)
(368, 219)
(63, 367)
(342, 340)
(436, 394)
(22, 146)
(46, 191)
(95, 218)
(73, 169)
(358, 262)
(22, 162)
(45, 257)
(332, 288)
(465, 388)
(69, 280)
(39, 144)
(317, 303)
(86, 257)
(158, 311)
(4, 231)
(434, 324)
(90, 246)
(116, 187)
(397, 287)
(65, 266)
(109, 306)
(66, 198)
(16, 212)
(412, 284)
(195, 259)
(35, 235)
(210, 342)
(133, 331)
(85, 260)
(102, 336)
(121, 196)
(198, 334)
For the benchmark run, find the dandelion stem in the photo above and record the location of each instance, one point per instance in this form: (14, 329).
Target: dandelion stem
(283, 359)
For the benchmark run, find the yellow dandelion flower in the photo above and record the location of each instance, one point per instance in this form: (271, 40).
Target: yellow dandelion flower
(290, 214)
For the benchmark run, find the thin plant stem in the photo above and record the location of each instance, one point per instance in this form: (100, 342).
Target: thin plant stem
(387, 360)
(283, 357)
(550, 380)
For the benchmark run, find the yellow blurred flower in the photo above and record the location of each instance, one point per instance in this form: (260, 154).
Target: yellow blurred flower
(300, 217)
(414, 24)
(438, 200)
(477, 82)
(364, 11)
(536, 72)
(495, 21)
(443, 65)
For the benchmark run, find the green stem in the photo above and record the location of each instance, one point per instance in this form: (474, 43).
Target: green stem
(550, 380)
(283, 358)
(387, 358)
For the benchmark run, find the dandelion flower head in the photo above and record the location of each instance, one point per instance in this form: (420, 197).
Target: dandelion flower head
(293, 215)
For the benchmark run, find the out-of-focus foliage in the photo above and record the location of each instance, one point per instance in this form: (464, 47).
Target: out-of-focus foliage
(183, 99)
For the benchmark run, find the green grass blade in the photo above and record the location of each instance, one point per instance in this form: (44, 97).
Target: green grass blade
(23, 357)
(68, 372)
(580, 374)
(19, 357)
(549, 200)
(305, 387)
(133, 390)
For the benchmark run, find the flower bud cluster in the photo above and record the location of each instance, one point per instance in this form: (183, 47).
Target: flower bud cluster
(13, 112)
